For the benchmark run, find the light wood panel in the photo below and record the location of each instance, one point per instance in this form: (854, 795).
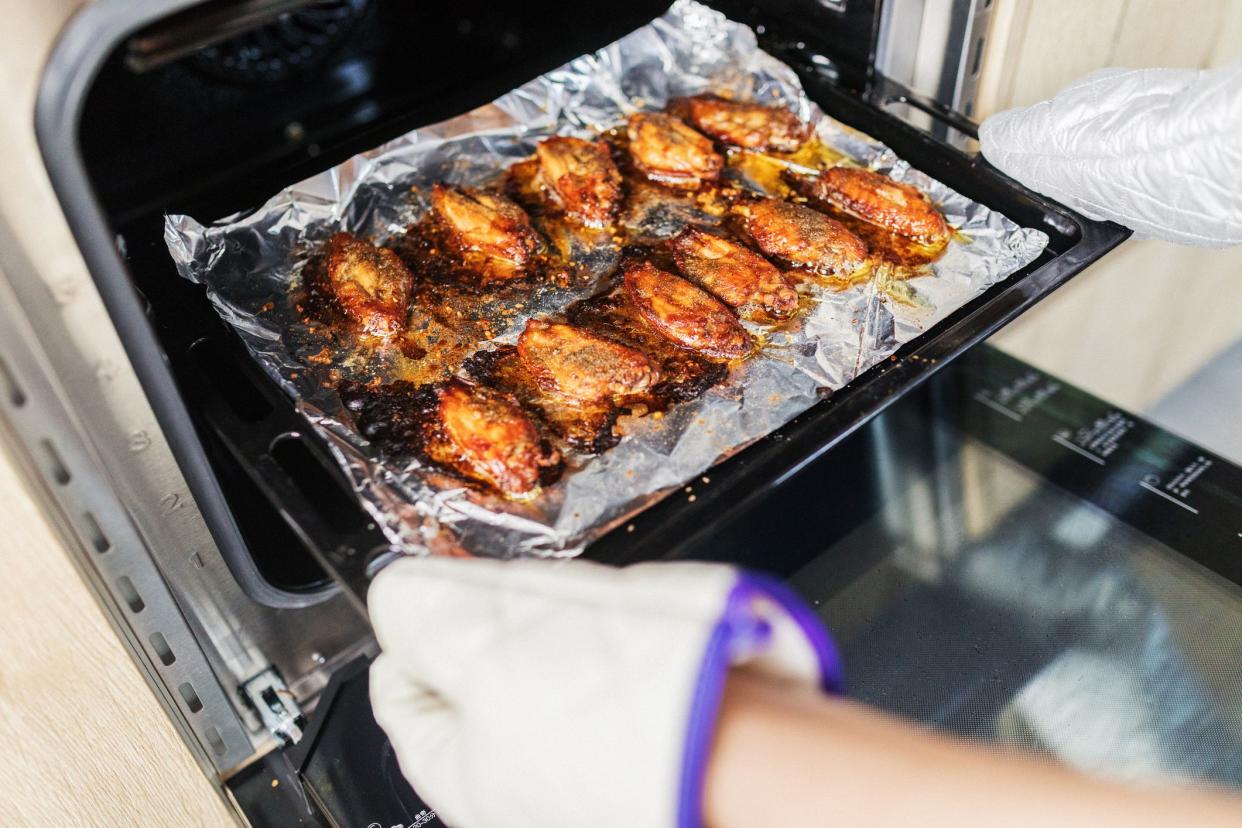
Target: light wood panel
(1167, 33)
(1229, 38)
(1058, 41)
(83, 740)
(1134, 326)
(1036, 47)
(998, 72)
(1137, 324)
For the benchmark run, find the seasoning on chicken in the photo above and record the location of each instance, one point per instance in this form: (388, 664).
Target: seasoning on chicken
(684, 314)
(684, 375)
(584, 425)
(475, 432)
(582, 366)
(666, 150)
(803, 237)
(749, 125)
(485, 435)
(491, 234)
(736, 274)
(879, 200)
(581, 178)
(369, 284)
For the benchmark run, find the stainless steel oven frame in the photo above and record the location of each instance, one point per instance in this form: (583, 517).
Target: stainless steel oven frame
(80, 418)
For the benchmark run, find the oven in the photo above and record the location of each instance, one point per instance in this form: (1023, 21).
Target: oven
(233, 556)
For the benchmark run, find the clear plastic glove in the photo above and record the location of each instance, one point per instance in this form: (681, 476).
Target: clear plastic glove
(537, 693)
(1157, 150)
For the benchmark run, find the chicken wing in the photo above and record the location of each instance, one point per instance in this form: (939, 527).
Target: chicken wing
(666, 150)
(583, 366)
(749, 125)
(684, 314)
(485, 435)
(492, 235)
(584, 425)
(877, 199)
(475, 432)
(369, 284)
(581, 178)
(736, 274)
(684, 375)
(803, 237)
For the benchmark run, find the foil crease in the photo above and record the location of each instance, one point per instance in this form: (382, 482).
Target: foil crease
(250, 264)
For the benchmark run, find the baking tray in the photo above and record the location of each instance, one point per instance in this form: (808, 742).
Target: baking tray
(687, 512)
(282, 472)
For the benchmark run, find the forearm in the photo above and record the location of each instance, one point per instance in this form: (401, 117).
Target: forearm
(791, 757)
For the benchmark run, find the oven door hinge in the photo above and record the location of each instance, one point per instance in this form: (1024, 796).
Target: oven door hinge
(276, 706)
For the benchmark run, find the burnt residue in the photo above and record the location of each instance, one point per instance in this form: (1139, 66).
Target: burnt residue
(391, 416)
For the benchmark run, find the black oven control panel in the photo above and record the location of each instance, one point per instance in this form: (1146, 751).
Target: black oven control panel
(1169, 488)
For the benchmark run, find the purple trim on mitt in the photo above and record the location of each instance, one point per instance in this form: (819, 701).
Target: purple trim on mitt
(831, 670)
(741, 632)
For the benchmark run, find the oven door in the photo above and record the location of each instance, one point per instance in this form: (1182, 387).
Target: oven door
(999, 555)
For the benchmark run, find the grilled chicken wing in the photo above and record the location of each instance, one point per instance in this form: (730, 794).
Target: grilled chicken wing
(585, 425)
(684, 374)
(877, 199)
(369, 284)
(737, 275)
(582, 366)
(581, 178)
(478, 433)
(803, 237)
(684, 314)
(483, 434)
(666, 150)
(753, 126)
(491, 234)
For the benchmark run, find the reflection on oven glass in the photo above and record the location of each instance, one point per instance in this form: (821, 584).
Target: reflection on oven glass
(986, 601)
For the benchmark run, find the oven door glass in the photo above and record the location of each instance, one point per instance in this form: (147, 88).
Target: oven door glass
(973, 593)
(989, 602)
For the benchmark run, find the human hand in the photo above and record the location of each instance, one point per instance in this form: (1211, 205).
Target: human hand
(1156, 150)
(539, 693)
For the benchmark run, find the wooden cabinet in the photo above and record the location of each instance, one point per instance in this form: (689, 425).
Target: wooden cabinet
(1137, 324)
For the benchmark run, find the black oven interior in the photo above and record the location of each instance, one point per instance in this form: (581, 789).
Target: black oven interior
(178, 120)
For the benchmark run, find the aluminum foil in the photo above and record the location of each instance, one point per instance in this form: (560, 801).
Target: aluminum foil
(251, 266)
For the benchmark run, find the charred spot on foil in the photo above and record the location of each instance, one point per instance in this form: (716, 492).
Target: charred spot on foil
(389, 416)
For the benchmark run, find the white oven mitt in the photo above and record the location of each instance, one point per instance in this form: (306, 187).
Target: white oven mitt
(532, 694)
(1157, 150)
